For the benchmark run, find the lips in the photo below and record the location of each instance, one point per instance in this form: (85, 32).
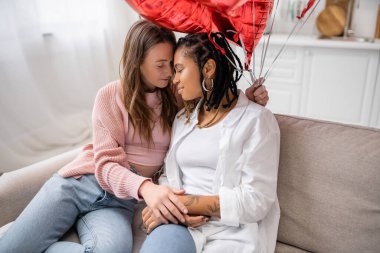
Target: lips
(179, 90)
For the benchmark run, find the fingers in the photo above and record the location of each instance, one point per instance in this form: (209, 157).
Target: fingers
(258, 82)
(145, 211)
(150, 224)
(151, 227)
(174, 211)
(159, 216)
(261, 95)
(178, 192)
(263, 102)
(249, 92)
(164, 203)
(149, 220)
(198, 224)
(196, 221)
(166, 213)
(173, 198)
(260, 92)
(146, 214)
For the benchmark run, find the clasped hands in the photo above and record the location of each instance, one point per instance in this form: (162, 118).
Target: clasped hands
(164, 206)
(150, 221)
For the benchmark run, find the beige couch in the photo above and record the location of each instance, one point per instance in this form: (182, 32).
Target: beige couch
(329, 188)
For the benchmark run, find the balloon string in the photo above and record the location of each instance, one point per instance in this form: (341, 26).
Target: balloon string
(269, 37)
(240, 70)
(252, 74)
(264, 43)
(281, 49)
(286, 42)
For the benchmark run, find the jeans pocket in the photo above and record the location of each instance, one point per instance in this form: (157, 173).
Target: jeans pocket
(102, 200)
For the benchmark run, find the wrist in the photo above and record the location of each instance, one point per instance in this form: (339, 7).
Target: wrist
(144, 187)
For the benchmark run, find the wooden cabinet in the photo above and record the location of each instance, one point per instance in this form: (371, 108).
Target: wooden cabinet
(336, 81)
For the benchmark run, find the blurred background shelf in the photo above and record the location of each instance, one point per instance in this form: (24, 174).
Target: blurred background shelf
(325, 79)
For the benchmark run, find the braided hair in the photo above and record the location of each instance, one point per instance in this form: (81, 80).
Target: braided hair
(201, 49)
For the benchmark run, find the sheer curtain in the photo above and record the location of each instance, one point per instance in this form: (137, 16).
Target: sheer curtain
(54, 56)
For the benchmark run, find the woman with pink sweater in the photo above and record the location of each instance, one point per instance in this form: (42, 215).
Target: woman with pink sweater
(97, 191)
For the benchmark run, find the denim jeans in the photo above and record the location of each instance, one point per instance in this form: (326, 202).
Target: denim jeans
(170, 238)
(103, 221)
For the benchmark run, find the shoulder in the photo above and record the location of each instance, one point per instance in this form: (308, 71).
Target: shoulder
(259, 116)
(109, 100)
(109, 91)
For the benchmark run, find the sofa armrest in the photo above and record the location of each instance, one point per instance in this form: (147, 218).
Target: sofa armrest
(17, 188)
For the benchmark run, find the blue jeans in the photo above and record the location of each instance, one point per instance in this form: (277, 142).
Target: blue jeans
(170, 238)
(103, 221)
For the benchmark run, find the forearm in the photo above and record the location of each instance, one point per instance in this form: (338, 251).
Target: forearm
(201, 205)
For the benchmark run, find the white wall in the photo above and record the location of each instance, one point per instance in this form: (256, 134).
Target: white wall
(54, 56)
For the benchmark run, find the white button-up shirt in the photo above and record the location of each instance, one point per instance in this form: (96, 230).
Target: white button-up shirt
(245, 180)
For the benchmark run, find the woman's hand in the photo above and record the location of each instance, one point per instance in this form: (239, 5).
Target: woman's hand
(195, 221)
(163, 202)
(151, 222)
(257, 92)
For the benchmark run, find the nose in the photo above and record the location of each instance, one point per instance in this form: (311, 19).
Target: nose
(169, 71)
(175, 79)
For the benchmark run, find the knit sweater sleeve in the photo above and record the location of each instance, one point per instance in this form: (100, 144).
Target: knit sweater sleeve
(111, 164)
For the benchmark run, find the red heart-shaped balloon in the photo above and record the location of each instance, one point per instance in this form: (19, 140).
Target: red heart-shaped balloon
(234, 18)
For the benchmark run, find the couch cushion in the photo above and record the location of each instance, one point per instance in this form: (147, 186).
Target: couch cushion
(18, 187)
(284, 248)
(329, 186)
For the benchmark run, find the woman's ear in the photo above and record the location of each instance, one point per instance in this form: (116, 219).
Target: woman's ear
(209, 69)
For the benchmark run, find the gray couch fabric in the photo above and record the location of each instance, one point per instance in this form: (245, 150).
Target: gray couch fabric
(329, 186)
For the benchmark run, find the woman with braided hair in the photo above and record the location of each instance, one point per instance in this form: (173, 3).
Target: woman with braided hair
(224, 154)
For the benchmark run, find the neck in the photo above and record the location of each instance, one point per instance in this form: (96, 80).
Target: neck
(150, 90)
(222, 102)
(215, 115)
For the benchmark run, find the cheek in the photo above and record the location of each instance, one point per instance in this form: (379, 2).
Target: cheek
(193, 88)
(198, 90)
(149, 73)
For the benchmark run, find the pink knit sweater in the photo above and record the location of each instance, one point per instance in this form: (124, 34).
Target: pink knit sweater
(107, 157)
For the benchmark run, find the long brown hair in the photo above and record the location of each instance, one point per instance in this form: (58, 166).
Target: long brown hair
(141, 37)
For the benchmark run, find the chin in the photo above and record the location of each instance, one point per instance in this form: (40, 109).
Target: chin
(162, 85)
(187, 98)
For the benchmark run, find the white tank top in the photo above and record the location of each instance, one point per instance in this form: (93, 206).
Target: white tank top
(197, 157)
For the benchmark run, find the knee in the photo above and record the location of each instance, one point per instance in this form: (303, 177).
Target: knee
(169, 238)
(106, 245)
(104, 239)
